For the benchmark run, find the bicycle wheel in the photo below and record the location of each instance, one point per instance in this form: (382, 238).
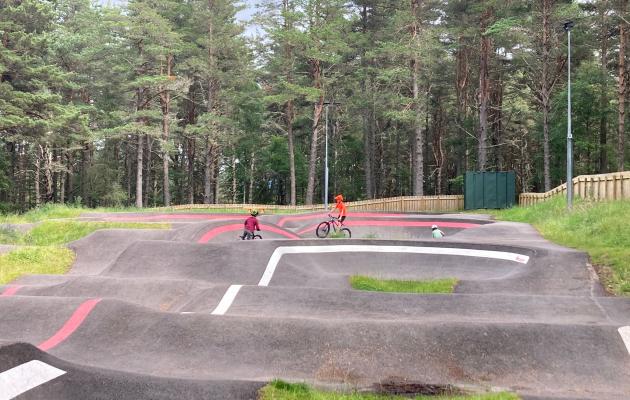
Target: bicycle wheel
(257, 237)
(346, 233)
(322, 229)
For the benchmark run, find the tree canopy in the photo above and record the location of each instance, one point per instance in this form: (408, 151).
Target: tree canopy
(159, 102)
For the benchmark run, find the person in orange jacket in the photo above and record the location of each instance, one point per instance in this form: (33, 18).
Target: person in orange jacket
(339, 205)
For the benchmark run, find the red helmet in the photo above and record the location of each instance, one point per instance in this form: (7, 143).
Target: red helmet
(339, 197)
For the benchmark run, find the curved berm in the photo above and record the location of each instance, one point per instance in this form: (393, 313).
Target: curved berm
(195, 312)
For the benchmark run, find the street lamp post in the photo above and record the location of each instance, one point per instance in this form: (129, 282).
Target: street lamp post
(567, 27)
(326, 162)
(326, 103)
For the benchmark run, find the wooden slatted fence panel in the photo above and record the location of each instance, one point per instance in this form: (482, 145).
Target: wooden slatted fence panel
(391, 204)
(613, 186)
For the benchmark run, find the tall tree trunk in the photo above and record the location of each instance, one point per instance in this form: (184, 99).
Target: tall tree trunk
(234, 164)
(484, 89)
(368, 156)
(366, 117)
(288, 53)
(165, 102)
(208, 194)
(317, 113)
(290, 138)
(461, 162)
(148, 163)
(418, 148)
(210, 184)
(190, 164)
(54, 196)
(85, 164)
(139, 168)
(545, 94)
(70, 179)
(621, 90)
(129, 165)
(38, 196)
(62, 178)
(603, 97)
(251, 179)
(48, 174)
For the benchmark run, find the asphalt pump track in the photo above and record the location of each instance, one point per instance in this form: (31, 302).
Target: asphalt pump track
(193, 312)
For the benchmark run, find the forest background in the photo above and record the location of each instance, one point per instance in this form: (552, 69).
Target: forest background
(161, 102)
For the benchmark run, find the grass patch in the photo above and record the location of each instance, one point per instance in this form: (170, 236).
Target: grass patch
(280, 390)
(361, 282)
(9, 235)
(34, 260)
(599, 228)
(60, 232)
(57, 211)
(41, 252)
(47, 211)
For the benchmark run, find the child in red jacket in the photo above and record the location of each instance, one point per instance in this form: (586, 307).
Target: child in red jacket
(251, 225)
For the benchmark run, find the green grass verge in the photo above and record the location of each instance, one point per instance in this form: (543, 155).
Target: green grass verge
(34, 260)
(599, 228)
(56, 211)
(60, 232)
(279, 390)
(361, 282)
(42, 252)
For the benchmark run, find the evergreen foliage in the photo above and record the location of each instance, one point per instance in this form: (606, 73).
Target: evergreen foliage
(168, 102)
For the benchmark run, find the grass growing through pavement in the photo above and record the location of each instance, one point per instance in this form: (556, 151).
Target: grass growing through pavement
(600, 228)
(361, 282)
(34, 260)
(279, 390)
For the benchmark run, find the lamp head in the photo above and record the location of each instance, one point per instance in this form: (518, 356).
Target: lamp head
(568, 25)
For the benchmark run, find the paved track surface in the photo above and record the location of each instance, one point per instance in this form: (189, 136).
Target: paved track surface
(195, 312)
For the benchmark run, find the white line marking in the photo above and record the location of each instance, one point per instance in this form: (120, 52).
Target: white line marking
(25, 377)
(624, 331)
(280, 251)
(227, 300)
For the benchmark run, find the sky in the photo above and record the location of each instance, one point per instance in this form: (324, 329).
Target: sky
(244, 15)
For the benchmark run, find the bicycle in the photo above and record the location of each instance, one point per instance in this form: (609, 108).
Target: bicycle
(324, 228)
(250, 236)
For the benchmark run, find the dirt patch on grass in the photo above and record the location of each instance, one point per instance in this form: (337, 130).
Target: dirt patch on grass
(606, 278)
(404, 387)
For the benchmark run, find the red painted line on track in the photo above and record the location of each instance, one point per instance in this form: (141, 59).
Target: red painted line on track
(236, 227)
(284, 220)
(11, 290)
(414, 224)
(70, 326)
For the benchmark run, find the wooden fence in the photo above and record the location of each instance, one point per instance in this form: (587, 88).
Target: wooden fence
(613, 186)
(392, 204)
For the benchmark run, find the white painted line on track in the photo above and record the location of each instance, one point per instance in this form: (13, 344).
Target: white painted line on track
(280, 251)
(227, 300)
(25, 377)
(624, 331)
